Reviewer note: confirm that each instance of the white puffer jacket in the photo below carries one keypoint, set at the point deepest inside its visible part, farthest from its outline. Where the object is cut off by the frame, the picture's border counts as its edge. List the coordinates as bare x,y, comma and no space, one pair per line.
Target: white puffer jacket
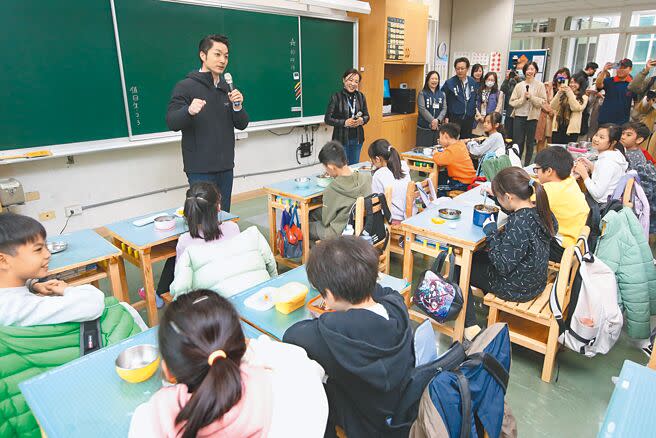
229,267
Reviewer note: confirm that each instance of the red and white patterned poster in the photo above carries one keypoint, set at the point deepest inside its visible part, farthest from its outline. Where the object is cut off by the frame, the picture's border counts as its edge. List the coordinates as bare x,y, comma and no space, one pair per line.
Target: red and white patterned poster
495,62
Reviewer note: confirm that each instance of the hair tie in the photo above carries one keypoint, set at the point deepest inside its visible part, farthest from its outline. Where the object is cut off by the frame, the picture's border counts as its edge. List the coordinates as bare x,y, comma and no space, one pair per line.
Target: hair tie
212,357
531,182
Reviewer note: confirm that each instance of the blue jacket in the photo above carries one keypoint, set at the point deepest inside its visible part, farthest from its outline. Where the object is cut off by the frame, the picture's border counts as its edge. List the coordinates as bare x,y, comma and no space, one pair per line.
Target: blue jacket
457,104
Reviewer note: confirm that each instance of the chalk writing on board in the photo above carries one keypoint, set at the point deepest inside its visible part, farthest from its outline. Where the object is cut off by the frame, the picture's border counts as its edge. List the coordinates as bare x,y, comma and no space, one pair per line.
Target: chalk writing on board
134,93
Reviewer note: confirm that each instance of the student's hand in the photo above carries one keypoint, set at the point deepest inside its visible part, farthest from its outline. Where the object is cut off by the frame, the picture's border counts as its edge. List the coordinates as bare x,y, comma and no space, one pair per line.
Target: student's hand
235,96
486,189
581,169
588,163
50,287
434,125
196,106
564,88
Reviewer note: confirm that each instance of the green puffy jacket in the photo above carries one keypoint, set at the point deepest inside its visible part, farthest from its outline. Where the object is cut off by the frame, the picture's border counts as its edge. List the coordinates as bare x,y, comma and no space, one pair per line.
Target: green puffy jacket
28,351
623,247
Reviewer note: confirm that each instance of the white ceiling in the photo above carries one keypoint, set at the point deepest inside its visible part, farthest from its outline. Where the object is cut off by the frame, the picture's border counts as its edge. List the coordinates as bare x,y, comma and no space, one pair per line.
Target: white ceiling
560,7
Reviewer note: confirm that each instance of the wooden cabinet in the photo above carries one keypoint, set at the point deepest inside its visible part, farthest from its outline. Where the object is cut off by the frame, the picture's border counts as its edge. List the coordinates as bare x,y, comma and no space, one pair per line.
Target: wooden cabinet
415,16
400,131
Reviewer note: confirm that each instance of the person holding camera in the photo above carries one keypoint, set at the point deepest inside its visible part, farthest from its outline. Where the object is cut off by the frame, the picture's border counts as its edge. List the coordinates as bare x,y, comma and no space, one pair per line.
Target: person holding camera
618,98
568,105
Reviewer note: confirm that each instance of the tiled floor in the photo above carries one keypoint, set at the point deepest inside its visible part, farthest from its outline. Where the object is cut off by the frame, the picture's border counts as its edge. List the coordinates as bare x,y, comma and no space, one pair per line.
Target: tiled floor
572,406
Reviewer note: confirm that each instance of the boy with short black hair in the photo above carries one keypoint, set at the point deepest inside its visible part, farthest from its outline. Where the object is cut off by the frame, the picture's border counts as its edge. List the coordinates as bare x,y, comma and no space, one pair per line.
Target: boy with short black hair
340,195
460,172
634,135
25,302
553,167
364,345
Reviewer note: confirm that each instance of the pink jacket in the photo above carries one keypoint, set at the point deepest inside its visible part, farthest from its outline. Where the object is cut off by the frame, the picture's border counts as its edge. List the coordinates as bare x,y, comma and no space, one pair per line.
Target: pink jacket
250,418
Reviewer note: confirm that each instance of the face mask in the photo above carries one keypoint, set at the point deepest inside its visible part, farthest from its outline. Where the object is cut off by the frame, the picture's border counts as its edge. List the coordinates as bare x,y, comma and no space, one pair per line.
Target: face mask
489,84
653,105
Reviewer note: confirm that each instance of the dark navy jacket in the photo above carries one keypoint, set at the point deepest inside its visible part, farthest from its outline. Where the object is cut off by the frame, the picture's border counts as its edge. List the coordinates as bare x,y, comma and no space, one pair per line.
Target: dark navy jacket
457,105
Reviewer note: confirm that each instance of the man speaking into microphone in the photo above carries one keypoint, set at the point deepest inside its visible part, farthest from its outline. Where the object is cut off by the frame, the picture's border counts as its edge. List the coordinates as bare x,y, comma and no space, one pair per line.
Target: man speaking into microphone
206,107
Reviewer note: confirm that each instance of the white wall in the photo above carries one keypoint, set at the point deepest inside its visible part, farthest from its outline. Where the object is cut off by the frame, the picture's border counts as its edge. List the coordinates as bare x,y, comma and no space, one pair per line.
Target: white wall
481,27
110,175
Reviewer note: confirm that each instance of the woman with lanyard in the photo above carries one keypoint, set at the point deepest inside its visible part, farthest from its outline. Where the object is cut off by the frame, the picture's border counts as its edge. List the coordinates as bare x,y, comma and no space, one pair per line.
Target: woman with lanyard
347,113
432,110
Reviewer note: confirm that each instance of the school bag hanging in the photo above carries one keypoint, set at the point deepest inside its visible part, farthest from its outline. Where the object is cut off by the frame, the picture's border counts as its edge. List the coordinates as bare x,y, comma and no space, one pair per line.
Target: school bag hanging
427,198
374,223
595,320
287,238
439,297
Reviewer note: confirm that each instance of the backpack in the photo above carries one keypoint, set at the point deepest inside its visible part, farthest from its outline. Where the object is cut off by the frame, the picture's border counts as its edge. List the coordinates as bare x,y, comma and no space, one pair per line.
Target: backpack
289,237
374,223
465,397
595,320
439,297
595,215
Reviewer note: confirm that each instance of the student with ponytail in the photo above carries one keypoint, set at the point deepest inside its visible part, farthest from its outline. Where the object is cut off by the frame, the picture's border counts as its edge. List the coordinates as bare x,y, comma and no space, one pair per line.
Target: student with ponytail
201,211
390,170
514,266
224,387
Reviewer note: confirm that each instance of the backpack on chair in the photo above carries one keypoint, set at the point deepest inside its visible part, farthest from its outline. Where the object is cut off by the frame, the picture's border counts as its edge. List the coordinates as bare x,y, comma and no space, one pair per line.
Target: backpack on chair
374,223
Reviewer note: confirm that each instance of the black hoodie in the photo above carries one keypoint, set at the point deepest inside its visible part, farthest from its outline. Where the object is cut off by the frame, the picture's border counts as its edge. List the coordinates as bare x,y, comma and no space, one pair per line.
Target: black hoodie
208,139
367,359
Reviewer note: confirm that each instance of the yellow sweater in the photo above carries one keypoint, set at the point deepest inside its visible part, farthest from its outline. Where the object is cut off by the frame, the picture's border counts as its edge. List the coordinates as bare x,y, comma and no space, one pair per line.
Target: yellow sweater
568,204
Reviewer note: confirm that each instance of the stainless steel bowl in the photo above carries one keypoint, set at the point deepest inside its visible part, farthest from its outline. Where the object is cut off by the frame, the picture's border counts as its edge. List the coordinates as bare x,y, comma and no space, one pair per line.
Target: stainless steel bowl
302,182
55,247
137,357
449,213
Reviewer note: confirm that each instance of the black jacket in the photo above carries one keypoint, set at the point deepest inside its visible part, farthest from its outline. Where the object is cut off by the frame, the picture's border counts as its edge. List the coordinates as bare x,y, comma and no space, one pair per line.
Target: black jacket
338,111
519,255
208,139
367,358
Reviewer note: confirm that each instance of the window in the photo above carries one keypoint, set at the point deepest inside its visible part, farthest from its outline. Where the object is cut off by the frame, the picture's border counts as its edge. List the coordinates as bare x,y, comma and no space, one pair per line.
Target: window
526,43
578,51
641,48
594,22
531,25
643,18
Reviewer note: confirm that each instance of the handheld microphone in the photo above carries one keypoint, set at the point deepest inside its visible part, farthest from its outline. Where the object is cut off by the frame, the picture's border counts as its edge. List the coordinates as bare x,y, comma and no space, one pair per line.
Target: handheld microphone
526,88
228,79
358,115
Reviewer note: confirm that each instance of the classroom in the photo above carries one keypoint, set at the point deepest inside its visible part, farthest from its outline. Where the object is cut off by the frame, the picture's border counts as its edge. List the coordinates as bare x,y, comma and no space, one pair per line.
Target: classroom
328,218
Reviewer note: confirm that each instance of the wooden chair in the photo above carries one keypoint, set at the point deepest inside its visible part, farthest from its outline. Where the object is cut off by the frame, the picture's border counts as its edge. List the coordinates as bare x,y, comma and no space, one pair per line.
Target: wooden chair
628,193
384,261
531,324
412,194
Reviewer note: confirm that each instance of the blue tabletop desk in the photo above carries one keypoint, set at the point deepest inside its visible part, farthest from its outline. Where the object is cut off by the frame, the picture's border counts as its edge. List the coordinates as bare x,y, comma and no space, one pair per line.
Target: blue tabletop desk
631,408
143,246
86,398
87,259
461,234
281,195
274,323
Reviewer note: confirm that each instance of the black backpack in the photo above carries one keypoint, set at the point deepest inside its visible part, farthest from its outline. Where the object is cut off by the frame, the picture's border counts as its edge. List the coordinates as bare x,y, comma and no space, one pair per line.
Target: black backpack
374,223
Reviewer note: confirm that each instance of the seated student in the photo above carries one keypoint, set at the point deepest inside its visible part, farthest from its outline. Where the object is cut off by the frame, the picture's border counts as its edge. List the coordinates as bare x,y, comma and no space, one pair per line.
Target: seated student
364,345
634,135
390,171
201,208
224,386
514,266
553,167
40,321
494,141
25,302
460,172
602,177
340,195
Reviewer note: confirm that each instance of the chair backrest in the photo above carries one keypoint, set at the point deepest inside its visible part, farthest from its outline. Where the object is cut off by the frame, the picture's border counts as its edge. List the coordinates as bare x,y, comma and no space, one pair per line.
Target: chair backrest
627,197
383,245
569,266
412,193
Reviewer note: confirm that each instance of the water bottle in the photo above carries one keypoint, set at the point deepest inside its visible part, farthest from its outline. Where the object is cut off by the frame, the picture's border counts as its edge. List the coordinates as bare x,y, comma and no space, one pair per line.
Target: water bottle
348,231
366,237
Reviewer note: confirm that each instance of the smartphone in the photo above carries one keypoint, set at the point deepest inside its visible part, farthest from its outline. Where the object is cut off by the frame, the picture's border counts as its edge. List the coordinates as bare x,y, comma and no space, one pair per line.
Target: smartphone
615,65
652,72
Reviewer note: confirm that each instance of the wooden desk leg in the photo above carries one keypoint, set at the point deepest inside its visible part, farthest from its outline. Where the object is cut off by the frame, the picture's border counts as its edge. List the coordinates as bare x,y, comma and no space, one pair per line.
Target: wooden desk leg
272,223
465,271
149,287
652,360
116,280
305,227
408,260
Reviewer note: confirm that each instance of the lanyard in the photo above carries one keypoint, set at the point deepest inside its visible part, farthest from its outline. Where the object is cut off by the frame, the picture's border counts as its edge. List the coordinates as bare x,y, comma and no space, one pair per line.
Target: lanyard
352,108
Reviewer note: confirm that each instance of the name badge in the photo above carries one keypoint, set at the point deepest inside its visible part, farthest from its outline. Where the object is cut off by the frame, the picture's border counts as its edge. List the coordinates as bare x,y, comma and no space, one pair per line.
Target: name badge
435,105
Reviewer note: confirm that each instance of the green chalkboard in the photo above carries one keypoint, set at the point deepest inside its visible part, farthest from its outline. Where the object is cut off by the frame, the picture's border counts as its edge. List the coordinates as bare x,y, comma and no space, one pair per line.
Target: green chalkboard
59,80
327,54
262,57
